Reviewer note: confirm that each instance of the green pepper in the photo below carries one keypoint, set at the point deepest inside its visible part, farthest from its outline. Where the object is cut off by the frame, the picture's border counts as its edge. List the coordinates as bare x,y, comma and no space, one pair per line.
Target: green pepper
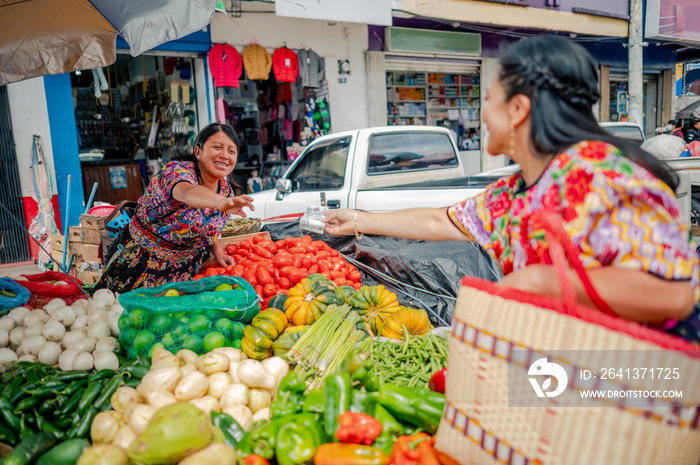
337,392
10,418
82,428
93,390
314,401
103,401
100,375
7,435
73,387
25,429
72,403
290,396
363,402
261,439
11,386
26,403
233,433
71,376
364,376
295,444
45,426
136,371
417,406
391,430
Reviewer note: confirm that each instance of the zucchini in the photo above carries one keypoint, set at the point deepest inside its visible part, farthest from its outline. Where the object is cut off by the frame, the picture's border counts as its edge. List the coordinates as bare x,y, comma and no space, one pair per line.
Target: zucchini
27,451
66,453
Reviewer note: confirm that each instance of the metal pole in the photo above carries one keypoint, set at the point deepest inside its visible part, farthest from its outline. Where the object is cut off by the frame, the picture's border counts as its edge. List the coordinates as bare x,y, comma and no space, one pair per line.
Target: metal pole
65,225
92,197
635,80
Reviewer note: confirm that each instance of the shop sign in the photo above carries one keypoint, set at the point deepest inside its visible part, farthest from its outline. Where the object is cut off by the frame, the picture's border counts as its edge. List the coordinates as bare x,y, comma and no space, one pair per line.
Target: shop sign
377,12
401,39
677,20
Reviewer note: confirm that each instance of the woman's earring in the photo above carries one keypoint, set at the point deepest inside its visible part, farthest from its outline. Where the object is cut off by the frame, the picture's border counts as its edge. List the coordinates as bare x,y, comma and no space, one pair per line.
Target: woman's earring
511,150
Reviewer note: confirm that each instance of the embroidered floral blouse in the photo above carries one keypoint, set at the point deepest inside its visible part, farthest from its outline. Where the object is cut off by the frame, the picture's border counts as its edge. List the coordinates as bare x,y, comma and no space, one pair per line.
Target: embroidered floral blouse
165,223
615,211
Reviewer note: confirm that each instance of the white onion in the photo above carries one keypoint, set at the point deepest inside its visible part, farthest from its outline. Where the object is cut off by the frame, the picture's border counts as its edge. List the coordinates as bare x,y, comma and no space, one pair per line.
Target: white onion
107,344
4,338
84,361
49,353
32,344
71,337
53,331
97,315
85,344
99,329
7,323
104,295
18,314
106,361
7,358
34,329
28,358
64,315
53,305
116,308
113,320
16,335
80,323
80,303
35,316
65,360
95,305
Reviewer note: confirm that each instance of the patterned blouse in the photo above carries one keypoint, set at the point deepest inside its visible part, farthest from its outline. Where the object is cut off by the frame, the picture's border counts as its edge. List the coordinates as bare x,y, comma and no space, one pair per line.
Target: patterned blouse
168,226
615,211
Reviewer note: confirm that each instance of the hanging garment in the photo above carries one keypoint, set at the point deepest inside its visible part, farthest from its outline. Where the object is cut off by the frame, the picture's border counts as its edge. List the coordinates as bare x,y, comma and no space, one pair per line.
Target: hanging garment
257,62
226,65
311,68
285,64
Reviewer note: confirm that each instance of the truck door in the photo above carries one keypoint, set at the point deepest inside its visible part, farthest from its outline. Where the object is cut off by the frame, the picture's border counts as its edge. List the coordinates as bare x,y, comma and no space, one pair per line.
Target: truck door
318,176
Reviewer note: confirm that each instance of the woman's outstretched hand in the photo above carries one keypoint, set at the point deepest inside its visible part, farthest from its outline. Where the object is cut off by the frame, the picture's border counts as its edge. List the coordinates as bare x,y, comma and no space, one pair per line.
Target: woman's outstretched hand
235,205
339,222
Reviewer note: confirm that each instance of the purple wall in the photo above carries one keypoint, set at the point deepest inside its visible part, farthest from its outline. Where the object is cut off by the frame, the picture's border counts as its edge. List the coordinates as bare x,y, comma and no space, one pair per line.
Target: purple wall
614,8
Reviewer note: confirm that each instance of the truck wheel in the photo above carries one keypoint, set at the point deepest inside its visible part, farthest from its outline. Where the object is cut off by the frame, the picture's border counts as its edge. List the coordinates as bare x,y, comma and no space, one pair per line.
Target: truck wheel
694,212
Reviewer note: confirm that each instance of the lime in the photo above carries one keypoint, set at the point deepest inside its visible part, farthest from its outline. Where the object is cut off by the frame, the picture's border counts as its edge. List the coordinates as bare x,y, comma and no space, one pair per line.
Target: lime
213,314
180,322
224,287
139,318
236,344
172,293
124,322
224,326
169,342
199,324
157,345
179,334
193,343
213,340
143,341
160,323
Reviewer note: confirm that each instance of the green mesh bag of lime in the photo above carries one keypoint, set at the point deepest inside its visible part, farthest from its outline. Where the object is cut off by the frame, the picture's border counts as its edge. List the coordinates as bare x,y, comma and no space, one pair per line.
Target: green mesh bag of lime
196,315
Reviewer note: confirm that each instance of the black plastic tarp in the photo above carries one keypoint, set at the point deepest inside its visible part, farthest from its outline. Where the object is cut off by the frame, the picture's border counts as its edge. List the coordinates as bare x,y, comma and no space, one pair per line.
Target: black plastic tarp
423,274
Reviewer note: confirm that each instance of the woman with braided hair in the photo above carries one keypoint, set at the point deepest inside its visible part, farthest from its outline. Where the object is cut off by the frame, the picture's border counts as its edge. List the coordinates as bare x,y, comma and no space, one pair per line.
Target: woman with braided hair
616,201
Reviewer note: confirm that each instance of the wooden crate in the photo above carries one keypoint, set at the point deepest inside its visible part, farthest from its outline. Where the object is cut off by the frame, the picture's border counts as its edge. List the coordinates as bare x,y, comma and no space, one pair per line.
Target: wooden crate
88,252
58,244
229,240
92,222
87,236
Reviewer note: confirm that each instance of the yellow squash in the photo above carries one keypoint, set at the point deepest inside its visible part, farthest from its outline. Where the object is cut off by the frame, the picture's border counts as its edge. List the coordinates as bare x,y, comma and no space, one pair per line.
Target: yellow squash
262,332
375,304
307,301
406,319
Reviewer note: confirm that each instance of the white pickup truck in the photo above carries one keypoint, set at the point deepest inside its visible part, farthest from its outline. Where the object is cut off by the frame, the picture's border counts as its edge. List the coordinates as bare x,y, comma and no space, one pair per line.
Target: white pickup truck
372,169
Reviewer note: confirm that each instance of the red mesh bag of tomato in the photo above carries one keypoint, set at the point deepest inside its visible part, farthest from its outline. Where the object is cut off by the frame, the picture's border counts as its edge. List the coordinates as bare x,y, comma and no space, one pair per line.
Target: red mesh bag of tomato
49,285
272,267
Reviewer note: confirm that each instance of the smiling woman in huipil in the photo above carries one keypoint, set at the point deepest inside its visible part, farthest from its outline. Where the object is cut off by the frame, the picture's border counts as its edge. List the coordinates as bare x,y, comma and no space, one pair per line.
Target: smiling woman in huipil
180,217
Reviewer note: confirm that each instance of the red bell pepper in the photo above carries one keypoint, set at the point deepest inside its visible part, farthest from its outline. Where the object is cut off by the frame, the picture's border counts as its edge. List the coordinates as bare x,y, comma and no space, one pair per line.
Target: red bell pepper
357,428
414,450
255,459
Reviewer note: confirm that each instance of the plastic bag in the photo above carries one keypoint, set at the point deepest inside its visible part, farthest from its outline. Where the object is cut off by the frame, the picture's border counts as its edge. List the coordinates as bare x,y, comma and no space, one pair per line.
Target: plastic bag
46,286
196,315
7,301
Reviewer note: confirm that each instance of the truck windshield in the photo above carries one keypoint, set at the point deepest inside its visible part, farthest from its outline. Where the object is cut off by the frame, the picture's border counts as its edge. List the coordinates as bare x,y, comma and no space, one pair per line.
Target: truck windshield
322,166
402,151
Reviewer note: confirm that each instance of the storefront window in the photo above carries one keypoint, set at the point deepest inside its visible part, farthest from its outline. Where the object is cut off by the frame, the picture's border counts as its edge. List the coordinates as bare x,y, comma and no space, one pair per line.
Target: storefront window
618,101
435,99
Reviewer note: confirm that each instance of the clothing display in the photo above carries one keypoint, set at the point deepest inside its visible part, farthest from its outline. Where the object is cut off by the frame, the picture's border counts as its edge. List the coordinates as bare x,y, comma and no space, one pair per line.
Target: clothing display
311,68
226,65
285,64
257,62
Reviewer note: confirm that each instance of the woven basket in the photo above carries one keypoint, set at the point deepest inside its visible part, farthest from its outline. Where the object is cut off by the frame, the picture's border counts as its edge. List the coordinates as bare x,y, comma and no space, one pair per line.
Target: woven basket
491,324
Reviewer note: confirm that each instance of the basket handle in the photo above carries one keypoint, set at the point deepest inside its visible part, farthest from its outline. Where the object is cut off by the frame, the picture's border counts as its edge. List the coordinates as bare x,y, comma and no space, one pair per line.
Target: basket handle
563,254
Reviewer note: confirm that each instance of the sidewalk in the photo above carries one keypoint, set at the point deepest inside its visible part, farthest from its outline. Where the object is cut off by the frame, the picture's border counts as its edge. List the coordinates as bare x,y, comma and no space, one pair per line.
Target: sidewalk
17,269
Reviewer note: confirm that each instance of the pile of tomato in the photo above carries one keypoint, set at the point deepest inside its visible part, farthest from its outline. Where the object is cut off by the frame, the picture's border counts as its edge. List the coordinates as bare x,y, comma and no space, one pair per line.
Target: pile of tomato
272,267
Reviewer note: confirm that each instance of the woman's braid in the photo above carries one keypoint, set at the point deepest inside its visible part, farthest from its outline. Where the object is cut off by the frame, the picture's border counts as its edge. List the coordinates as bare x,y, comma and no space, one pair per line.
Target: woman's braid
538,77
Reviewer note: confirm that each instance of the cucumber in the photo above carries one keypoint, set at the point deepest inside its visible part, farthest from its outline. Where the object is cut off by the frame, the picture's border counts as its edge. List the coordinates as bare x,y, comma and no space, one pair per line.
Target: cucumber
66,453
27,451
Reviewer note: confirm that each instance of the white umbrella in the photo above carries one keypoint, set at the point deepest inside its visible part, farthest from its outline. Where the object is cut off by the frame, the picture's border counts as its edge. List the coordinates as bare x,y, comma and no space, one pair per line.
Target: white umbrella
664,146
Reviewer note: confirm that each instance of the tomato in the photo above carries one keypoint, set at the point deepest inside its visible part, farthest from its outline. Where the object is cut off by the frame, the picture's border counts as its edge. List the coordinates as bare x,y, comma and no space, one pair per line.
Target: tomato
250,277
301,250
245,244
284,282
306,238
313,269
262,251
287,271
247,263
229,268
327,274
231,249
265,302
292,241
263,275
297,276
271,247
311,248
355,276
306,262
340,281
210,272
275,272
257,258
336,274
281,243
296,260
321,254
357,285
282,260
333,253
238,258
269,289
258,238
258,290
324,265
320,245
197,277
282,252
237,270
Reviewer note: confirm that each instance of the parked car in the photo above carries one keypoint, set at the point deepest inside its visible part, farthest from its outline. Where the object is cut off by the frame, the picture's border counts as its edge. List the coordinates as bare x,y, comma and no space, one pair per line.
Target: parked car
624,130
